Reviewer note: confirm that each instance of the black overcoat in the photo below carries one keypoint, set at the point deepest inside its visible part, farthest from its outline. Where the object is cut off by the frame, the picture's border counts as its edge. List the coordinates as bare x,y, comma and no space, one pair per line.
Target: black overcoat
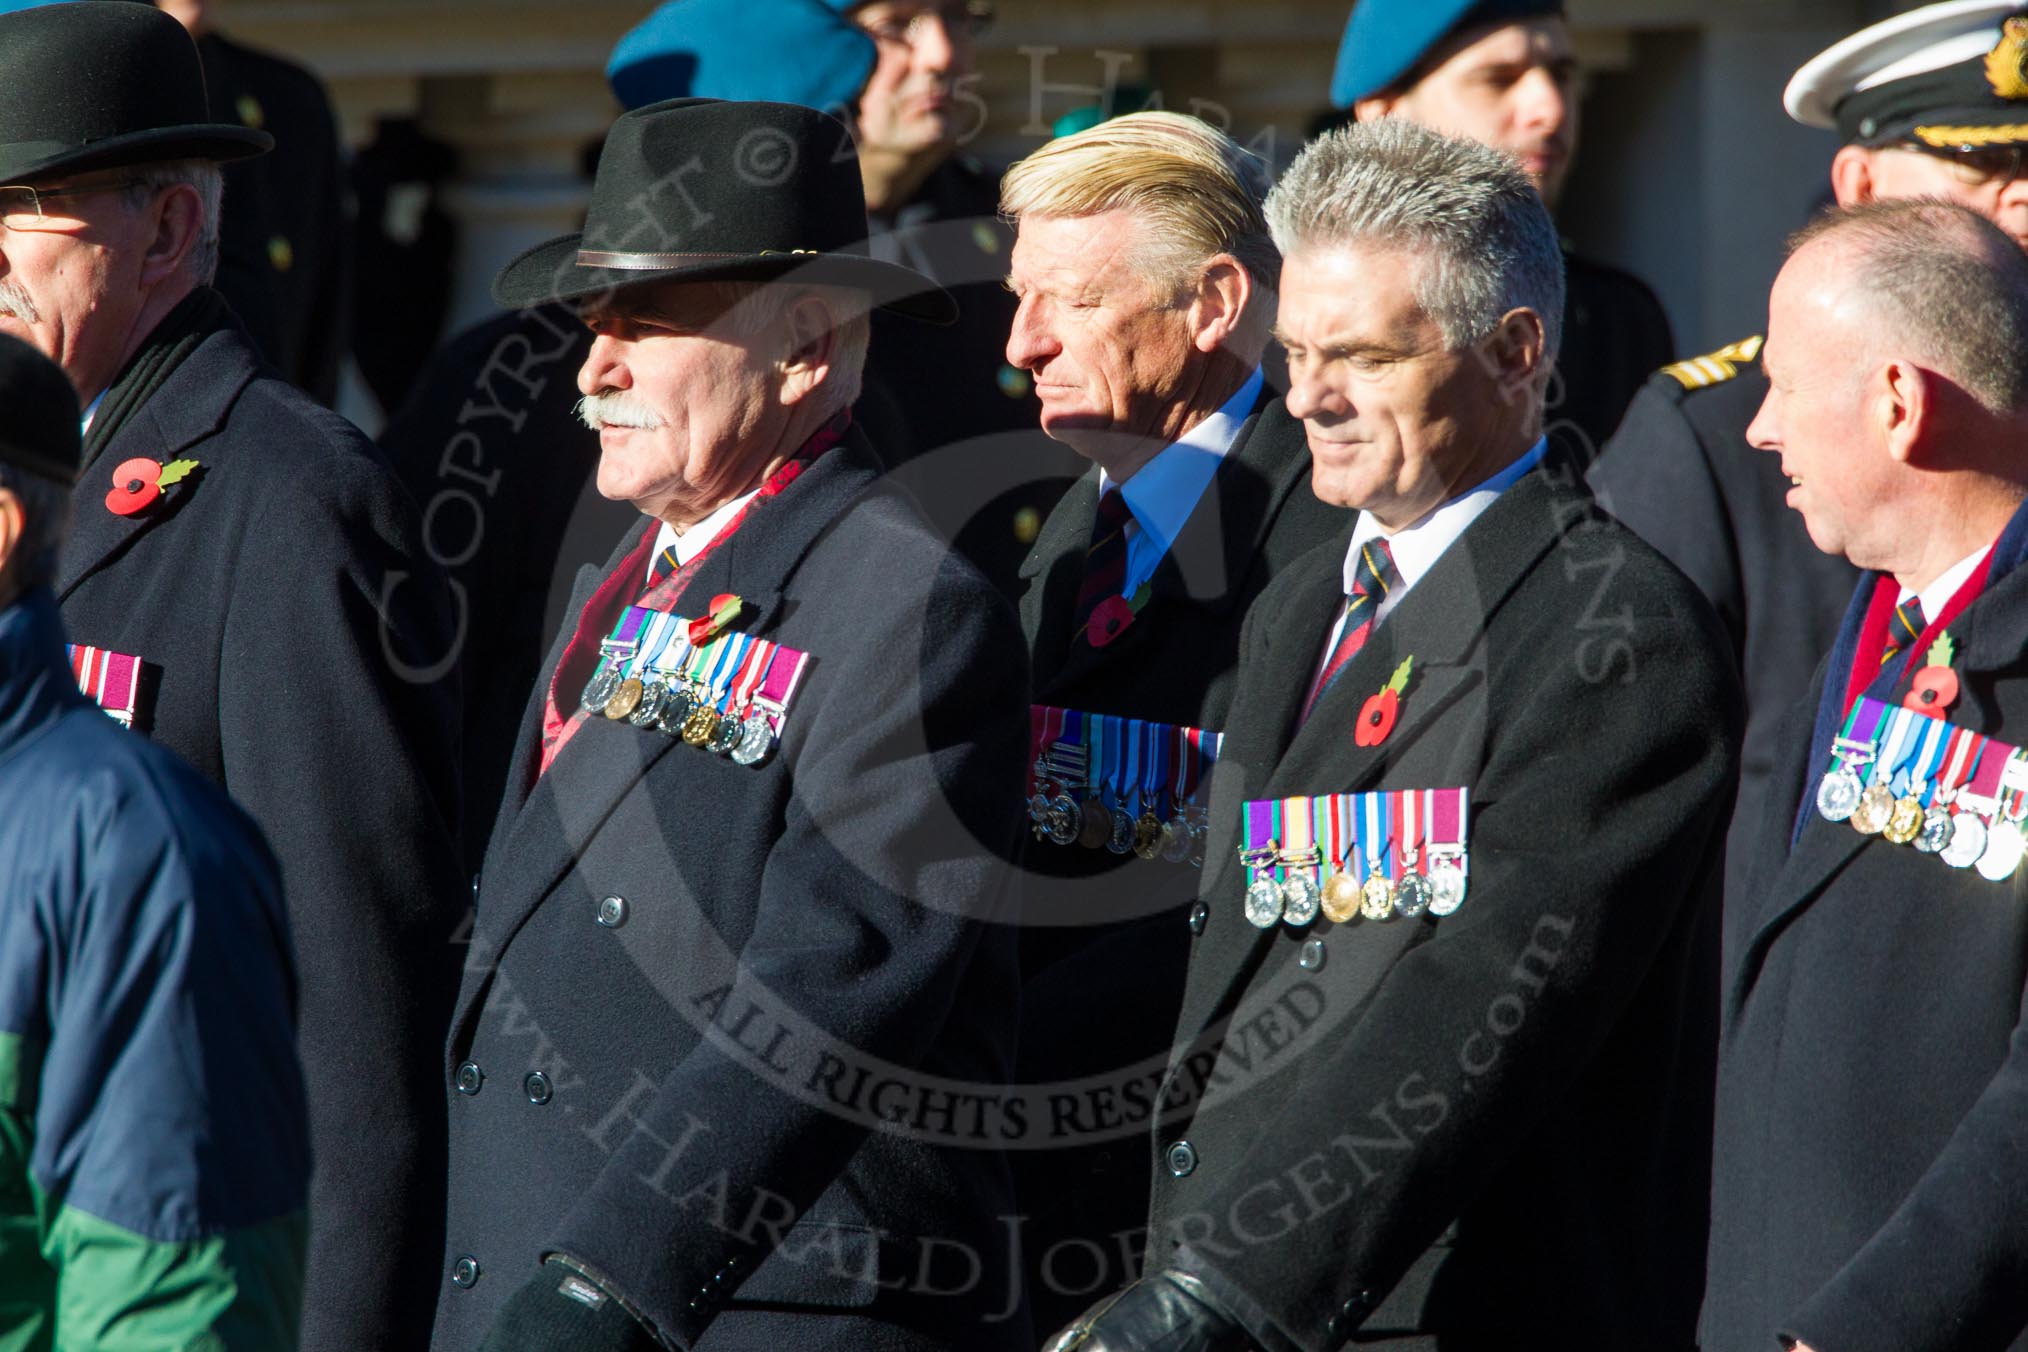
1500,1117
1870,1188
286,612
1681,474
823,916
1104,946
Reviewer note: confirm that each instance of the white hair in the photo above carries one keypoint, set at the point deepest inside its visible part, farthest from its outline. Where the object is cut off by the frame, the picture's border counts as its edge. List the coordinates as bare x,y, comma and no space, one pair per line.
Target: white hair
209,181
1486,242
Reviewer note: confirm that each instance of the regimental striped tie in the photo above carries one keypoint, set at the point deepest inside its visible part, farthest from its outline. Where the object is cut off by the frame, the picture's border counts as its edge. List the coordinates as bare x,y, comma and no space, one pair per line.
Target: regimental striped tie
663,564
1105,563
1372,579
1903,629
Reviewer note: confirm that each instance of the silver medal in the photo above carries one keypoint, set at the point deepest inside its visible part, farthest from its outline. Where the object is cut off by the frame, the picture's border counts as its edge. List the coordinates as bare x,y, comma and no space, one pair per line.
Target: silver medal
1064,819
1968,841
1937,829
2004,847
726,740
1175,841
653,696
1302,899
757,739
1413,895
1264,902
598,691
1838,796
1447,886
676,710
1121,841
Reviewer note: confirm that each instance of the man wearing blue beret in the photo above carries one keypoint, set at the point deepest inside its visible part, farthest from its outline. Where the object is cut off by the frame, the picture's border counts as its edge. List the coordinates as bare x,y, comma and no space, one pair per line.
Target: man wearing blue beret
1503,72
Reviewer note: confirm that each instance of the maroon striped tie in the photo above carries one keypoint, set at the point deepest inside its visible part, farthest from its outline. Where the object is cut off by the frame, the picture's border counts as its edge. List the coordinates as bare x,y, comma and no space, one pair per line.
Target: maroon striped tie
1105,562
1372,578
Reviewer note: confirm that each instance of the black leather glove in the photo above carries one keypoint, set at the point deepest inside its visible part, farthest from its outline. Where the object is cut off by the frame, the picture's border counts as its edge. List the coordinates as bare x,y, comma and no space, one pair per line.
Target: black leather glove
1168,1312
562,1310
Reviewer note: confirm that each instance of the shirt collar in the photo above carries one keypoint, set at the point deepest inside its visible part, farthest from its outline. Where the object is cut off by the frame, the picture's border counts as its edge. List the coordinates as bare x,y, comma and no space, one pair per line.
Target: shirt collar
1163,492
1417,548
1938,594
91,411
693,540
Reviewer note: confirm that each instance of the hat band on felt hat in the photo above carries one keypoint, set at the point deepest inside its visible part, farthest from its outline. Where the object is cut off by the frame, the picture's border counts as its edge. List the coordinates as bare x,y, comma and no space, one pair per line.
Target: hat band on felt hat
656,262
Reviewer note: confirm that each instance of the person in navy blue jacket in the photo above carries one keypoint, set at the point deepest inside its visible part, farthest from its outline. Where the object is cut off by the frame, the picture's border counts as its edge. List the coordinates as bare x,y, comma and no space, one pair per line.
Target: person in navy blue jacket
154,1141
1870,1168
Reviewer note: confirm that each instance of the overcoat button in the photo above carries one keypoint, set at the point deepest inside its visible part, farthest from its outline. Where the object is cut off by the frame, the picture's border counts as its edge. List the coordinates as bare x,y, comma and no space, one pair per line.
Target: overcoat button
1199,914
465,1272
613,912
1182,1158
537,1085
1311,959
470,1077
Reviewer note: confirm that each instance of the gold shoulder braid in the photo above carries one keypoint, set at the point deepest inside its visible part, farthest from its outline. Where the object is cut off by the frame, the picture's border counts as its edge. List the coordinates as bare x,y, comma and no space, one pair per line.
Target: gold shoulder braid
1715,368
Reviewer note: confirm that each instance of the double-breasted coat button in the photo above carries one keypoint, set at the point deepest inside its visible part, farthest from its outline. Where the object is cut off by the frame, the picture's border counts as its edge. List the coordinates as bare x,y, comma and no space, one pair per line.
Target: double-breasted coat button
465,1272
613,912
537,1085
470,1077
1182,1159
1311,959
1199,914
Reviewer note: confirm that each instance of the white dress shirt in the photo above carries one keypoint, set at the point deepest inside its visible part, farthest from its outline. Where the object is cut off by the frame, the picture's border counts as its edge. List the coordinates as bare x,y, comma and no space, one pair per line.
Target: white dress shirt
1938,594
692,541
1416,548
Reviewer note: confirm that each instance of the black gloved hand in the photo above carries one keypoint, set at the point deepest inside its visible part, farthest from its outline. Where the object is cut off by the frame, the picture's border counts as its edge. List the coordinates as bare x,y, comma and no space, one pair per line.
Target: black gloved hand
1167,1312
562,1310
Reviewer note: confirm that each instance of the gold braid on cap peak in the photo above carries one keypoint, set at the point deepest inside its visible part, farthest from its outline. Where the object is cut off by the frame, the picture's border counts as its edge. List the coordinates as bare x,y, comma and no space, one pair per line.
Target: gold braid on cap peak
1967,138
2007,63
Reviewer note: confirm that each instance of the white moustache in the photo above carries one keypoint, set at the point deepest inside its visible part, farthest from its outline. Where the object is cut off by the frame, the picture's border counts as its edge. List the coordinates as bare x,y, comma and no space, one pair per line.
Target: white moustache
17,303
600,411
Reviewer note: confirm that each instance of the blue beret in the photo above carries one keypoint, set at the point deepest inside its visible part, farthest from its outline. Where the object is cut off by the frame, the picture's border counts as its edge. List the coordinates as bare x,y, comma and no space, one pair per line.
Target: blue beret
774,51
1385,39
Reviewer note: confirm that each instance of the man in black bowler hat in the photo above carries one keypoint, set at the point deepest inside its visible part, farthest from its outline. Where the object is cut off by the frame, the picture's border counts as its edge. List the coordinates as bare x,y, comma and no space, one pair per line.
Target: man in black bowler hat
253,554
142,930
722,1066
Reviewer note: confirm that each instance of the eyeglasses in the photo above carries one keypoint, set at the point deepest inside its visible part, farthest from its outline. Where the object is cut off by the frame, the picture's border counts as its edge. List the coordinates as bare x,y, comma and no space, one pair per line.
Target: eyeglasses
962,19
21,205
1975,166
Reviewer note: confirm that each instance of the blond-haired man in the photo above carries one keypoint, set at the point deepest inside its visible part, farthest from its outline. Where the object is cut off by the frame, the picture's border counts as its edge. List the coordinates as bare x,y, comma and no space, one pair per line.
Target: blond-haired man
1145,277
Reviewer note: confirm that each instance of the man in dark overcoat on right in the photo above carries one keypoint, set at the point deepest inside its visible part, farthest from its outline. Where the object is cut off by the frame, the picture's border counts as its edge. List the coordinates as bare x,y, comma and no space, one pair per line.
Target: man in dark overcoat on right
1870,1171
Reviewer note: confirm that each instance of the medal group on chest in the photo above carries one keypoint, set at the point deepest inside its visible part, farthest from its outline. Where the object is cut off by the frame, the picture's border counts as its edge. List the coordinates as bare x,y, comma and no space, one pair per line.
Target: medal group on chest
1373,856
1919,781
727,694
1125,785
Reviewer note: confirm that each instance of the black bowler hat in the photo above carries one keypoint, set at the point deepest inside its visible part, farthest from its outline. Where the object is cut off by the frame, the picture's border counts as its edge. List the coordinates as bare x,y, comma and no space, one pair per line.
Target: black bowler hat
705,190
102,83
38,414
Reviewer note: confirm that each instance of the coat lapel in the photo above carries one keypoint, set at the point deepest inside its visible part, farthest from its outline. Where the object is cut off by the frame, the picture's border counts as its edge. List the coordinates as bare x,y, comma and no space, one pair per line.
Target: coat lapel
1053,571
190,407
1441,624
537,844
1202,575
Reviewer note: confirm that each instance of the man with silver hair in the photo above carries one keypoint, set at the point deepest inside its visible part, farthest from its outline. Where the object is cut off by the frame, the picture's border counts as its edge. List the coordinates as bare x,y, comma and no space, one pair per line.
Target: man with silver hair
247,585
1145,277
1443,1064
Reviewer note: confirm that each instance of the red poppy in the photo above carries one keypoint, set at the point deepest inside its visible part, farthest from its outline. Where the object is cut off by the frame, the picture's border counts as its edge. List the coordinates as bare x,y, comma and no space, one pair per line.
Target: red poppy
1935,690
136,483
1109,619
1376,719
725,608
